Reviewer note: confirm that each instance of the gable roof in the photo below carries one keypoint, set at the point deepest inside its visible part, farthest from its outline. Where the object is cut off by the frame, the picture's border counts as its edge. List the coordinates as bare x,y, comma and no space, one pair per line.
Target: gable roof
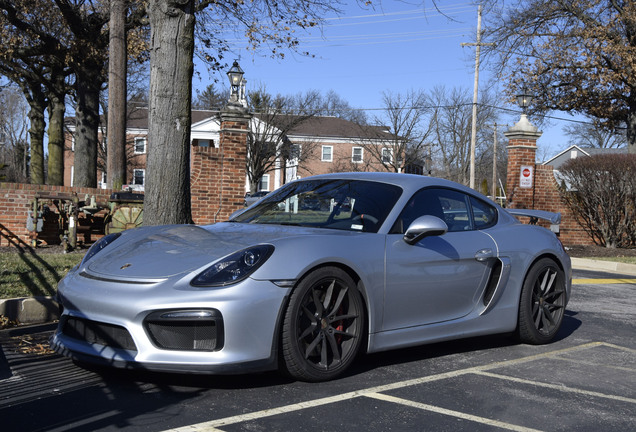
573,151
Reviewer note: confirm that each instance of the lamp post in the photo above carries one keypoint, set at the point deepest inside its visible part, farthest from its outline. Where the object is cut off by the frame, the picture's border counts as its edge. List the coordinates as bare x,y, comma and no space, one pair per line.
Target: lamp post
235,74
524,98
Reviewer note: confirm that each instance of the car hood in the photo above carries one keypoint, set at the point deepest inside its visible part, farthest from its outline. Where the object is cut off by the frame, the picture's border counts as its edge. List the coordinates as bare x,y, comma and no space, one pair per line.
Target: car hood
165,251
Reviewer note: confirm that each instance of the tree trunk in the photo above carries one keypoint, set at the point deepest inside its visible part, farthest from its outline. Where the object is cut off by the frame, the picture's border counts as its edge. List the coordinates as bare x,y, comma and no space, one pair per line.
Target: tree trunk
37,105
56,140
631,127
116,151
167,191
86,125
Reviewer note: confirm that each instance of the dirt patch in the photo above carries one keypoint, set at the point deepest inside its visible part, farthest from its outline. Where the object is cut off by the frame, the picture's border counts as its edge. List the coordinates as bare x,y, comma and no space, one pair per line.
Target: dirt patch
599,252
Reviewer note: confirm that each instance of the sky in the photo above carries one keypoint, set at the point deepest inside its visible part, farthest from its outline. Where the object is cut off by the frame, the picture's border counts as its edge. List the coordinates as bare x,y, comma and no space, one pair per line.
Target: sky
395,47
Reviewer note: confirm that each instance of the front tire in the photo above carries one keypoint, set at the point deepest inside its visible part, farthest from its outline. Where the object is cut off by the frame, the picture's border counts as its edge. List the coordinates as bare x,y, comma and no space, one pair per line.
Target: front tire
323,326
542,303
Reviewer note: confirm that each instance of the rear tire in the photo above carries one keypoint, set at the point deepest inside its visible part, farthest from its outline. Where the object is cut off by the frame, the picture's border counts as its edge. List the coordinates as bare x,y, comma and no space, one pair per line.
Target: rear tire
542,303
323,326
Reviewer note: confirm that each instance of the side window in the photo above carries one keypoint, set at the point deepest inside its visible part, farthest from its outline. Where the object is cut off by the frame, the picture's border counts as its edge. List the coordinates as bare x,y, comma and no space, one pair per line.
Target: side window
455,208
484,215
448,205
424,202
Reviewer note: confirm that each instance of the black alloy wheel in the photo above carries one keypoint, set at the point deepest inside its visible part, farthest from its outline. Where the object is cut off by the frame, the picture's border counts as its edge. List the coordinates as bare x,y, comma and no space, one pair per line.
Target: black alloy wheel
323,327
542,304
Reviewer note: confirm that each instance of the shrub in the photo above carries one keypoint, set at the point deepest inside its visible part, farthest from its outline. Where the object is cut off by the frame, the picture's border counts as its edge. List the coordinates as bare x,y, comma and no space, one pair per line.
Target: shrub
600,191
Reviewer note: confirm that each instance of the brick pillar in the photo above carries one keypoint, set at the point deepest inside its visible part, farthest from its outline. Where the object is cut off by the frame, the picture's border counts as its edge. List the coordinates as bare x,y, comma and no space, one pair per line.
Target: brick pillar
521,178
218,173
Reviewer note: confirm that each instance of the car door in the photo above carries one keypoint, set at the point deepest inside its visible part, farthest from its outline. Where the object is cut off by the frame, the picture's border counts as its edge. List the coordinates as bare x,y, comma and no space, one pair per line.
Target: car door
440,278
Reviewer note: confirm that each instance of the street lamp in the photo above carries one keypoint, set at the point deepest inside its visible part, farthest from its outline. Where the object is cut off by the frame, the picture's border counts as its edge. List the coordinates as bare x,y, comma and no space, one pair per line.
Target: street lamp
235,74
524,98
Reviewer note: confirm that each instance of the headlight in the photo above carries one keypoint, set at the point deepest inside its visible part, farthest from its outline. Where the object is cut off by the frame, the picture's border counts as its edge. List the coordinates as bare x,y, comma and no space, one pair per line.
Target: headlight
99,245
234,268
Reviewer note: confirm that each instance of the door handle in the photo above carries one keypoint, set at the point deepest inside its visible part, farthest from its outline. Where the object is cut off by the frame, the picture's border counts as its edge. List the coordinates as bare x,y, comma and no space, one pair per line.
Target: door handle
484,255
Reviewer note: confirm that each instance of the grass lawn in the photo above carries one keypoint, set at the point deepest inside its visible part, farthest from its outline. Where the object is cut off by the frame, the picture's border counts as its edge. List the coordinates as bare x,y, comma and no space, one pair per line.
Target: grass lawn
26,275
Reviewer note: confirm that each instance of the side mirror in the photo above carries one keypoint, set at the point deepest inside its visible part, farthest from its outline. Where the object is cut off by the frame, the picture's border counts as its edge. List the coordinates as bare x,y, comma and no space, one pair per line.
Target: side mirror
424,226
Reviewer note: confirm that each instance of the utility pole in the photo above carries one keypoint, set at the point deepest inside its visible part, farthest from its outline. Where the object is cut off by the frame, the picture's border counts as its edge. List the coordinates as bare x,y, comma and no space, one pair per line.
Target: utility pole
494,166
473,131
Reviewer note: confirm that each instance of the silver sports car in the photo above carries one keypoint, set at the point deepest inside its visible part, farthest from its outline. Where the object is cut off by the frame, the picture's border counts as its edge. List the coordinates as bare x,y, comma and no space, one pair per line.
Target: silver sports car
313,274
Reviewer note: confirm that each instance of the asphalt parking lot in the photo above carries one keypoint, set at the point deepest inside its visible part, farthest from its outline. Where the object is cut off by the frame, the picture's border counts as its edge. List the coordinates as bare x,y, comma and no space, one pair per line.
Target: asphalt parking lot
586,380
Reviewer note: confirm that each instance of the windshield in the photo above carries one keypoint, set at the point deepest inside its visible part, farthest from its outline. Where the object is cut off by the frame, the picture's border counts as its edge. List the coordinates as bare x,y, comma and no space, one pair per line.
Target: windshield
353,205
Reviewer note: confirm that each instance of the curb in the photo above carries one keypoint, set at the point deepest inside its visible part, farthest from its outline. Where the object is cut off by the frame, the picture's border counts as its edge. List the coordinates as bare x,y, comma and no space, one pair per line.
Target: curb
38,310
609,266
30,310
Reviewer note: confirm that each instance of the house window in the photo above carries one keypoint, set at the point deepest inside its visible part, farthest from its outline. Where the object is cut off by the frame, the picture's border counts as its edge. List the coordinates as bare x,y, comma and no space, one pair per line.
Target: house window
72,174
294,153
139,177
140,145
387,155
263,185
327,153
356,155
204,143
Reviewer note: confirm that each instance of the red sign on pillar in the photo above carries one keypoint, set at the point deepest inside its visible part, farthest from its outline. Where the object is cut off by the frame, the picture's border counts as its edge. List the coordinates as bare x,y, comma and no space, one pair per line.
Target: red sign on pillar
526,178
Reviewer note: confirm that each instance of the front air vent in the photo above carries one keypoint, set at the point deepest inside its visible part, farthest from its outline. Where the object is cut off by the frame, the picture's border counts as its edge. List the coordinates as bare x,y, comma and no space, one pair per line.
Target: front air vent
186,330
94,332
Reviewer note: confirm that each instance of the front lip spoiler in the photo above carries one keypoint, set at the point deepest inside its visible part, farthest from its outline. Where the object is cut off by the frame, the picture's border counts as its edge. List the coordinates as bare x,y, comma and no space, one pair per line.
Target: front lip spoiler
267,364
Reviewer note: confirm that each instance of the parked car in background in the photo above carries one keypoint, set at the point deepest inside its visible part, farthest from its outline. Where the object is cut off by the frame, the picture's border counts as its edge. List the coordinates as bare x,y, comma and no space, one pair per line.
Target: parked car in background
384,261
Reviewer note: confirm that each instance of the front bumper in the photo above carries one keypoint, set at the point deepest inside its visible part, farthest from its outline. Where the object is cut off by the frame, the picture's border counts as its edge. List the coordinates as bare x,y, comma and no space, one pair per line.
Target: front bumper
152,326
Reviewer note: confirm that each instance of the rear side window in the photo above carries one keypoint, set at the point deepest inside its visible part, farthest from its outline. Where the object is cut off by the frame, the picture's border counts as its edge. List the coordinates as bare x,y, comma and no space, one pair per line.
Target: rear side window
484,215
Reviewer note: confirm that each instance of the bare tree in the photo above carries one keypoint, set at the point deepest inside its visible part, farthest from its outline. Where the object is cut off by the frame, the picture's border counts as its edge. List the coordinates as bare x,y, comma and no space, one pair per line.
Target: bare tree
268,144
333,105
13,135
600,191
399,136
450,119
594,135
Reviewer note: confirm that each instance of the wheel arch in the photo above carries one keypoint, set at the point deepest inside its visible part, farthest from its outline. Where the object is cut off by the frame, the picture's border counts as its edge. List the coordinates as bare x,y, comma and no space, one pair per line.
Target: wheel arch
359,285
536,259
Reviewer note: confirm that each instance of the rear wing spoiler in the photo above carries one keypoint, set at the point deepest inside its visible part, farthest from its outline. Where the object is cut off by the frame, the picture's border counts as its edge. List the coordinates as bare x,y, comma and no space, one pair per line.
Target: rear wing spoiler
534,215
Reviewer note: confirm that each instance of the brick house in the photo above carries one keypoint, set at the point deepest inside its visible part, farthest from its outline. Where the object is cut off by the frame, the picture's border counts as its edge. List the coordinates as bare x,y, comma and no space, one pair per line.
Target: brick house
327,144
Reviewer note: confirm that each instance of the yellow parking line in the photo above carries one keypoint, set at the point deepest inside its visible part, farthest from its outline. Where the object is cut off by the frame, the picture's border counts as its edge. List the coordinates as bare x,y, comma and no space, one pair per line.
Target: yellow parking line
602,281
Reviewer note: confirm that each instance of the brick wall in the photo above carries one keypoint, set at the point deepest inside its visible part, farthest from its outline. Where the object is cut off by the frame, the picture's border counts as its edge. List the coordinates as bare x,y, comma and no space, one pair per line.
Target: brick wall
217,179
543,193
16,200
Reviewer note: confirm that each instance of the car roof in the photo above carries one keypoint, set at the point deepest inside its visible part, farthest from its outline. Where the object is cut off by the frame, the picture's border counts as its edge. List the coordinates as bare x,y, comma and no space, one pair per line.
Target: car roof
408,182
